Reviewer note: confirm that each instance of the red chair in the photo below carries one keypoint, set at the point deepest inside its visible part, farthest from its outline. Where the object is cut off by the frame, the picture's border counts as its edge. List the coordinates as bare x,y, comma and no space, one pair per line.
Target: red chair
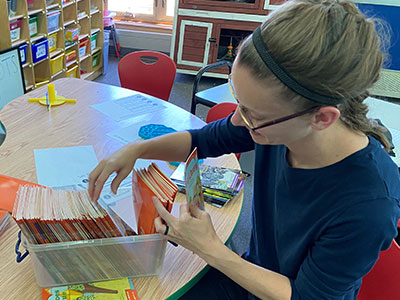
383,281
220,111
149,72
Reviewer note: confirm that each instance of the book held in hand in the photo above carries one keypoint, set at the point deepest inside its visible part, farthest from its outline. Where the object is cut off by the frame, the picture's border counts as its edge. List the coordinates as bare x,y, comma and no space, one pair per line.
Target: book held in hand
118,289
192,181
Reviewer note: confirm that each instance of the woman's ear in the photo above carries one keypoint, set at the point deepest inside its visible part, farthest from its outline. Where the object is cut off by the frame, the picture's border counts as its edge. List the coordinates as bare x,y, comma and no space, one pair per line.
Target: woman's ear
325,117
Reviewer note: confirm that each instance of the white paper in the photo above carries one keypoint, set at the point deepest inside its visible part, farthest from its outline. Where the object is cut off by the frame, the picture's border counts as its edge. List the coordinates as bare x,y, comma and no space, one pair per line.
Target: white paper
129,107
64,166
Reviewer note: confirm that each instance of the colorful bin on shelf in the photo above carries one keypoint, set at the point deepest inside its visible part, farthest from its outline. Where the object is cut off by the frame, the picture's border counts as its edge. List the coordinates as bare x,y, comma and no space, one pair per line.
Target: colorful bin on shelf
33,26
82,46
71,34
53,20
70,55
52,42
39,50
72,72
93,41
96,59
15,30
57,64
22,52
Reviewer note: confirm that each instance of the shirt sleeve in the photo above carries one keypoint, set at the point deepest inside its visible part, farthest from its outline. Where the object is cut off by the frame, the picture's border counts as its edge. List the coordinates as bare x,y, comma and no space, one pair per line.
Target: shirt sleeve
346,251
221,137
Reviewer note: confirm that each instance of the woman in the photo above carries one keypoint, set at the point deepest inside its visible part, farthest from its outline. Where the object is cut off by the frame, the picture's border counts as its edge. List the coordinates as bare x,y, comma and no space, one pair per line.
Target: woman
326,194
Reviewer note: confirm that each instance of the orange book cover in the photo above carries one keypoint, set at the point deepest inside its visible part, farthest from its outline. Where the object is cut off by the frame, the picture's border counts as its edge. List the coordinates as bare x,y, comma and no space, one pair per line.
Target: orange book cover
8,191
145,211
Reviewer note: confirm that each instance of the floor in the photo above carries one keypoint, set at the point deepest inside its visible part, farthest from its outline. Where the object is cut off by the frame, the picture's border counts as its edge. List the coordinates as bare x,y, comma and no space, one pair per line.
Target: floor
181,95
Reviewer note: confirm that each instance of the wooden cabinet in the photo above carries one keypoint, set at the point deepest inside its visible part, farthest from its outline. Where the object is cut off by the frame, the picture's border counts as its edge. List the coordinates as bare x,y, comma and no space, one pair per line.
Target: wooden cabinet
204,29
42,26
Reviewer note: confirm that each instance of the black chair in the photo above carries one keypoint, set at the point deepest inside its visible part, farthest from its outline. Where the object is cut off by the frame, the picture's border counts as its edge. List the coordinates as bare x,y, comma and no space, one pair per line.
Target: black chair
198,99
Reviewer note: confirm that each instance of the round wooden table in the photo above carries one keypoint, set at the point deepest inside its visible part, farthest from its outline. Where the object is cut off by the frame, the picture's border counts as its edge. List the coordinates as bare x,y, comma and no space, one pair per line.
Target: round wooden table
30,126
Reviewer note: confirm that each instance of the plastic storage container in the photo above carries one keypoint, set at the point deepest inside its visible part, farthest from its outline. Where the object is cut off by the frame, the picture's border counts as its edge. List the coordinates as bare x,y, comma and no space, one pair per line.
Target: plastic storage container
52,42
53,19
15,30
22,52
72,72
70,55
93,41
82,46
71,34
96,59
39,50
97,260
56,64
33,26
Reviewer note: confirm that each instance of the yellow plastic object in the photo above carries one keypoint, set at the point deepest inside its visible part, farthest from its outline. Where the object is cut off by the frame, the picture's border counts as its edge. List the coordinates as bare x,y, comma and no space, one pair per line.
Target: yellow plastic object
57,64
51,99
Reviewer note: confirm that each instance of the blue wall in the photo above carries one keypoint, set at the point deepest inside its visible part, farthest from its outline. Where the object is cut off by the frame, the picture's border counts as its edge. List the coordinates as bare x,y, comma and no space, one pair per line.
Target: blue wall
391,14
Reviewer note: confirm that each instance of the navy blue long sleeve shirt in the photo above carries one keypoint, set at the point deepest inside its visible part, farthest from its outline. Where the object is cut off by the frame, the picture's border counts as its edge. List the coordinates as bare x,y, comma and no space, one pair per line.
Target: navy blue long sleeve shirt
322,228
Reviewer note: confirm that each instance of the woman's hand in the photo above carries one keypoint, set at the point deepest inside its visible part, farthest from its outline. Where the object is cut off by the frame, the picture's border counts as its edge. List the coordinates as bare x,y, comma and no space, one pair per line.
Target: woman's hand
193,229
121,162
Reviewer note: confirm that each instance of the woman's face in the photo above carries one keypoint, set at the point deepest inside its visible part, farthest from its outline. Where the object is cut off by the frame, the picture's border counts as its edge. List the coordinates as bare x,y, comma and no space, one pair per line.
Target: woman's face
260,103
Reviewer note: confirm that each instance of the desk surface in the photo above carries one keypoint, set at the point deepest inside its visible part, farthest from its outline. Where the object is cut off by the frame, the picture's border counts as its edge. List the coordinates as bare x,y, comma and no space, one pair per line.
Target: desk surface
29,126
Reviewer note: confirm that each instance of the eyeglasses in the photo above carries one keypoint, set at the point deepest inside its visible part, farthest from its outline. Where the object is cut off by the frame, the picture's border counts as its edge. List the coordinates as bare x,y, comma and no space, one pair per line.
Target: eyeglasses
249,124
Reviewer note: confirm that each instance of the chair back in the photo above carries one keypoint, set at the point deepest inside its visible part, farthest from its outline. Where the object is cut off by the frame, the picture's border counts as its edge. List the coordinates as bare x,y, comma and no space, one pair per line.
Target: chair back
383,281
149,72
197,78
220,111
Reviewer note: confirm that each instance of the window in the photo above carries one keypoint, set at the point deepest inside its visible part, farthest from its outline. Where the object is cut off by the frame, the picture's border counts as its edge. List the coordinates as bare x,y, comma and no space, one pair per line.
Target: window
143,10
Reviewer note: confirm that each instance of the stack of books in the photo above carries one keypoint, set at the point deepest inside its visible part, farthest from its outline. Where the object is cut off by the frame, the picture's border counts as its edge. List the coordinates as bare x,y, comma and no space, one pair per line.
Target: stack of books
146,184
49,216
219,184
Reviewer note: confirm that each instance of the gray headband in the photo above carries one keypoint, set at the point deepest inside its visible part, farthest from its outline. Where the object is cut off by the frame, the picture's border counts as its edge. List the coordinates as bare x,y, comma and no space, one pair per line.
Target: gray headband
285,77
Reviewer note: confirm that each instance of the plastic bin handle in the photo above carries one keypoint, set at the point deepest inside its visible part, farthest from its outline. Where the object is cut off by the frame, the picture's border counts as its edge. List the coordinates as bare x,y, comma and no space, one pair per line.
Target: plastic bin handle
20,256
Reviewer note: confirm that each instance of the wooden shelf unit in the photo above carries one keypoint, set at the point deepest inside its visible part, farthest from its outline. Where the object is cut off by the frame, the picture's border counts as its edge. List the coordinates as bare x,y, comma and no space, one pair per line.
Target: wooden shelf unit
203,30
90,22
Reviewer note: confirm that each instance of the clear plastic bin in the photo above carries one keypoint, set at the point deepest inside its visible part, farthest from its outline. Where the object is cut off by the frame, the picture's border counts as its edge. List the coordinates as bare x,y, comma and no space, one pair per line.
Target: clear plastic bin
97,260
53,19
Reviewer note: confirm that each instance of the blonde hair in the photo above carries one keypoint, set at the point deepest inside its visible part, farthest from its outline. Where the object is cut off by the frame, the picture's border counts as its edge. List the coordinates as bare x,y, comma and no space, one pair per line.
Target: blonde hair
328,46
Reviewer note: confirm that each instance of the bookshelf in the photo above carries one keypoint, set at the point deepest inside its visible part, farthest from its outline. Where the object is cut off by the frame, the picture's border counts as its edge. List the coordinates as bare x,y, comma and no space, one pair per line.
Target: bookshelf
42,25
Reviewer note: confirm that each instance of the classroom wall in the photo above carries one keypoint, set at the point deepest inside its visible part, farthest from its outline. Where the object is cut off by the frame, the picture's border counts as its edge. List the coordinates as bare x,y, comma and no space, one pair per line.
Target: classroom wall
391,14
144,40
